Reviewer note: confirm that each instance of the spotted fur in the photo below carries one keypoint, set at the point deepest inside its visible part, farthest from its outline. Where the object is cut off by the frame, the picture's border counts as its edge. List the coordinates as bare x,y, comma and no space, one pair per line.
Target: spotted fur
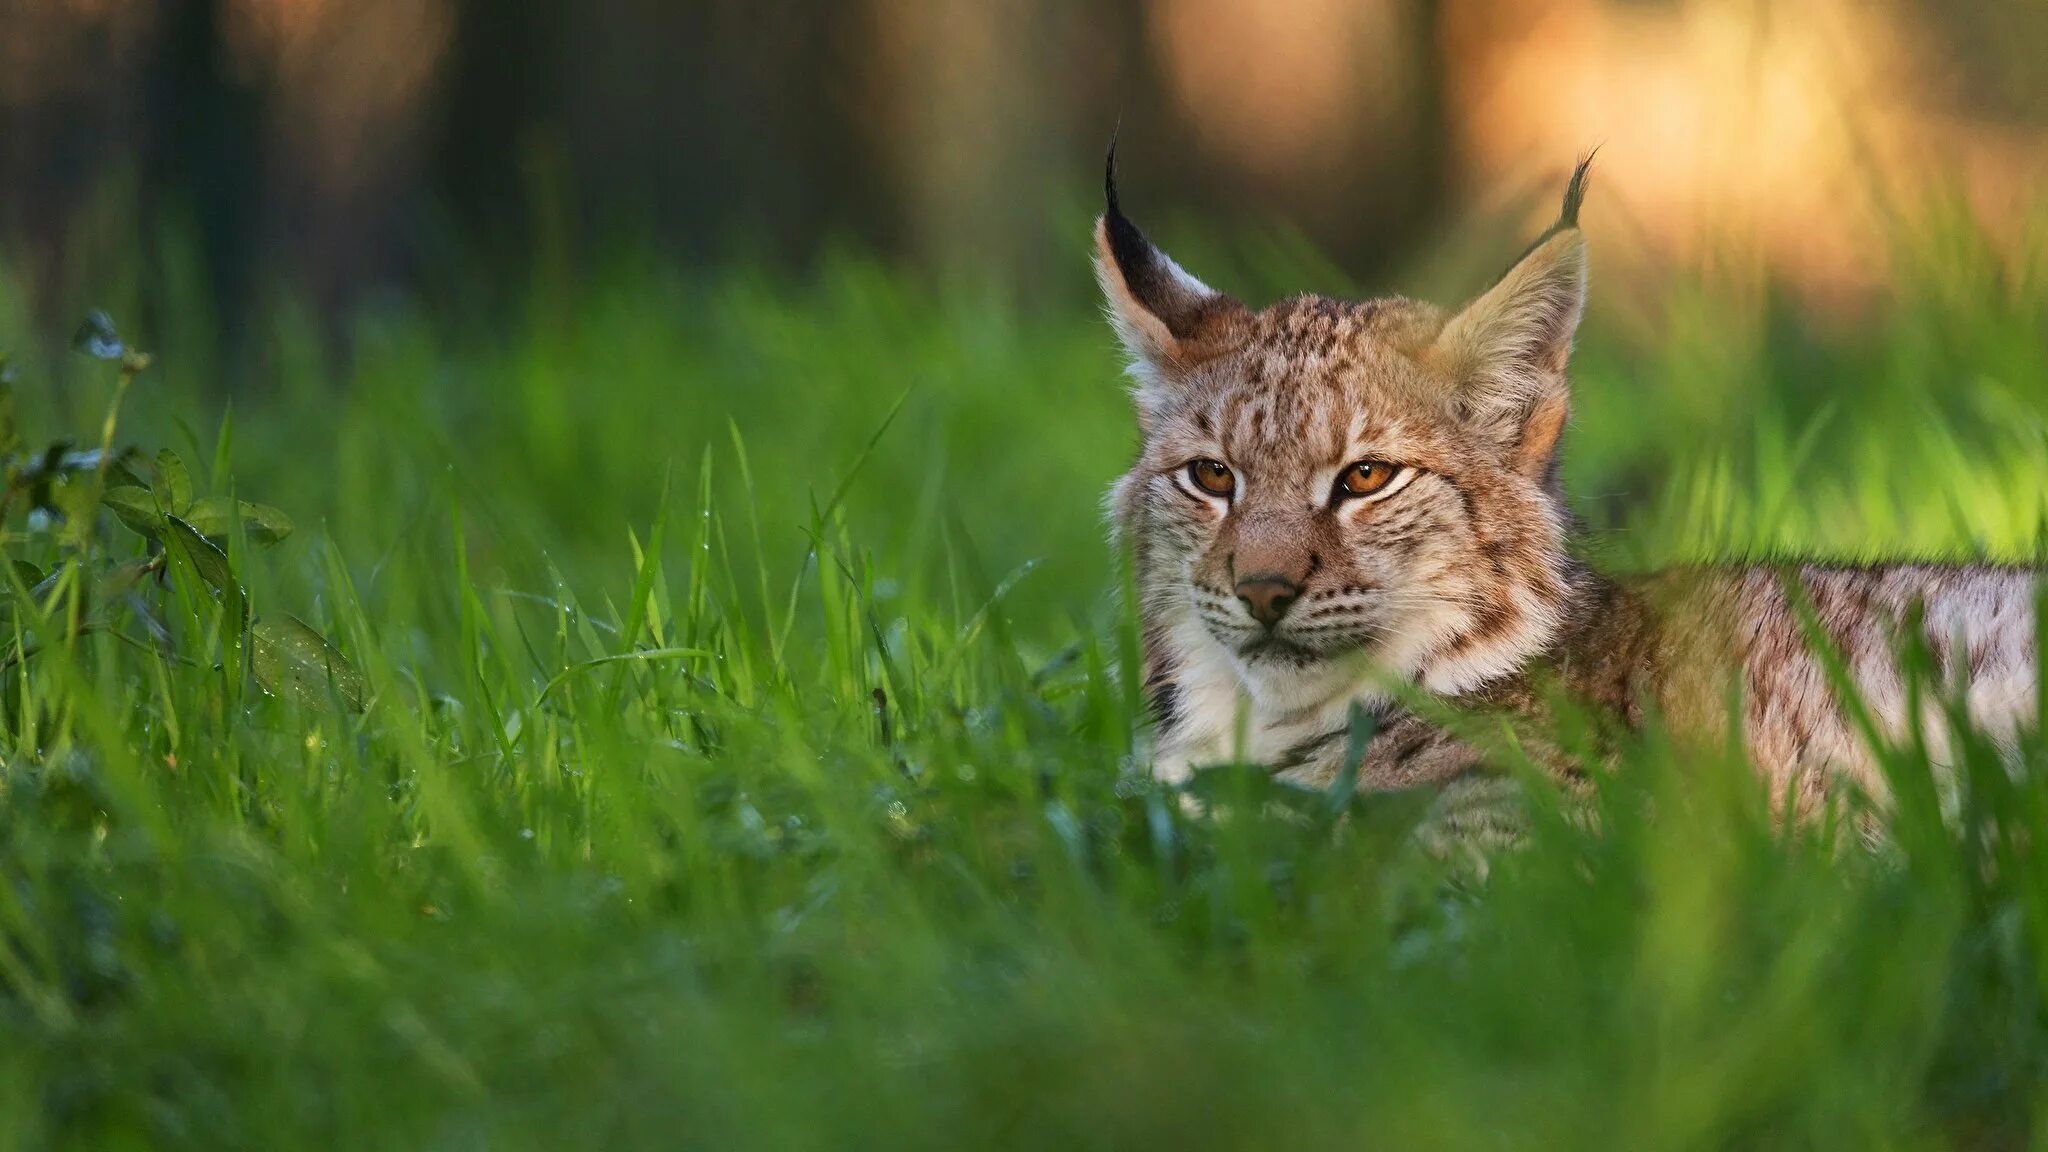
1458,578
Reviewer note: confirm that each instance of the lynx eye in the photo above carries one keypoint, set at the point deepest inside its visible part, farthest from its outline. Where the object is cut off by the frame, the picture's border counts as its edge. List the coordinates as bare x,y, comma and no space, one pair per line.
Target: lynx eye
1212,476
1366,478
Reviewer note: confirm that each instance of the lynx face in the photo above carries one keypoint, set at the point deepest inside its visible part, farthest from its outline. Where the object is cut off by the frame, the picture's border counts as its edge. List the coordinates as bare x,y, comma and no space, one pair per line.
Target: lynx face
1326,487
1312,496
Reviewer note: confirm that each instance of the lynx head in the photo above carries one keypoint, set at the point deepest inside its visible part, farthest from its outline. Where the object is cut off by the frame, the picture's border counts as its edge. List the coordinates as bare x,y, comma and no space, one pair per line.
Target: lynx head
1326,483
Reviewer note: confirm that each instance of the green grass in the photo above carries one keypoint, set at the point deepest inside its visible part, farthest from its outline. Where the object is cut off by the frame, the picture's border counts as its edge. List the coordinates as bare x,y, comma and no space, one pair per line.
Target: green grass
747,762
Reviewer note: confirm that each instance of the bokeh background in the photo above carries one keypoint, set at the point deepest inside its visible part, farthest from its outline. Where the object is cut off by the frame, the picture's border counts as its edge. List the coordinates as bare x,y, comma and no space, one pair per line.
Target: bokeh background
351,145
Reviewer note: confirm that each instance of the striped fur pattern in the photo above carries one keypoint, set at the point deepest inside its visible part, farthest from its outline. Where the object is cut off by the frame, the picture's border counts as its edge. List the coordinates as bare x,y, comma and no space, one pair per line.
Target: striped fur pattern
1335,499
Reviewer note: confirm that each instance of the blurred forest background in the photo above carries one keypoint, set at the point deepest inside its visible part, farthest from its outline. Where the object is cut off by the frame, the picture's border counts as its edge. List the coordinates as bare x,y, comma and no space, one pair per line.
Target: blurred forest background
353,147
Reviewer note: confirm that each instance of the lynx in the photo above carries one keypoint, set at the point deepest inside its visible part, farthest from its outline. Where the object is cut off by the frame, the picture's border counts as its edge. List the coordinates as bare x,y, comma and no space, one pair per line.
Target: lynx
1338,505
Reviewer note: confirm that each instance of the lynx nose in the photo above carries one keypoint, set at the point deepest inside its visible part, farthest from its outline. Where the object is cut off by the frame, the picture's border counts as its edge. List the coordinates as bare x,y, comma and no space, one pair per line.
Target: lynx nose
1267,597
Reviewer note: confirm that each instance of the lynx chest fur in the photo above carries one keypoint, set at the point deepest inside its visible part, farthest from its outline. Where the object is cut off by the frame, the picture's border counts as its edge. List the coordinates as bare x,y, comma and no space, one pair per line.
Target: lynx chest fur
1337,504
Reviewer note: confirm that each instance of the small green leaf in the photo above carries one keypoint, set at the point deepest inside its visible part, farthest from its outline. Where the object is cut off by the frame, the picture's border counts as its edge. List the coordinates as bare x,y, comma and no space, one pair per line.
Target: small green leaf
176,482
120,473
96,338
212,517
265,525
215,517
211,564
136,508
27,574
292,661
206,559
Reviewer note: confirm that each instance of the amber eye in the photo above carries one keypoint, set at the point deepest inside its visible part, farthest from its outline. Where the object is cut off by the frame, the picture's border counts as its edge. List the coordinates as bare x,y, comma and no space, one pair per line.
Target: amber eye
1212,477
1365,478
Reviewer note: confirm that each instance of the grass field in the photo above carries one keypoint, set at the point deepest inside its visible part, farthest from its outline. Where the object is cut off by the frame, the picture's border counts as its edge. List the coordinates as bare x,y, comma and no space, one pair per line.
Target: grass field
745,758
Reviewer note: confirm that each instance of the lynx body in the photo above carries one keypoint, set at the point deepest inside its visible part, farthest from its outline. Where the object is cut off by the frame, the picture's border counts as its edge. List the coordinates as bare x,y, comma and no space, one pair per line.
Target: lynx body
1335,498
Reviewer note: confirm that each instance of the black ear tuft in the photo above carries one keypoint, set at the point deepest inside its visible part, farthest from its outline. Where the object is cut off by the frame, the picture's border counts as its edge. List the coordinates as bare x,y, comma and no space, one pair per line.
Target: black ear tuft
1109,174
1574,194
1568,213
1163,315
1134,255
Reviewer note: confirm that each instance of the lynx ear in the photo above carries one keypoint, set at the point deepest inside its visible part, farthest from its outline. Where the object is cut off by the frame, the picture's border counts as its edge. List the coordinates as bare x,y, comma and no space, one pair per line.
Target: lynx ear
1168,321
1508,349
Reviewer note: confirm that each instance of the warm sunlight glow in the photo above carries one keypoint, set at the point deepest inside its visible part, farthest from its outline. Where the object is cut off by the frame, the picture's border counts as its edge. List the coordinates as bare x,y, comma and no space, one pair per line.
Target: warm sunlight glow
1723,124
351,72
1273,84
